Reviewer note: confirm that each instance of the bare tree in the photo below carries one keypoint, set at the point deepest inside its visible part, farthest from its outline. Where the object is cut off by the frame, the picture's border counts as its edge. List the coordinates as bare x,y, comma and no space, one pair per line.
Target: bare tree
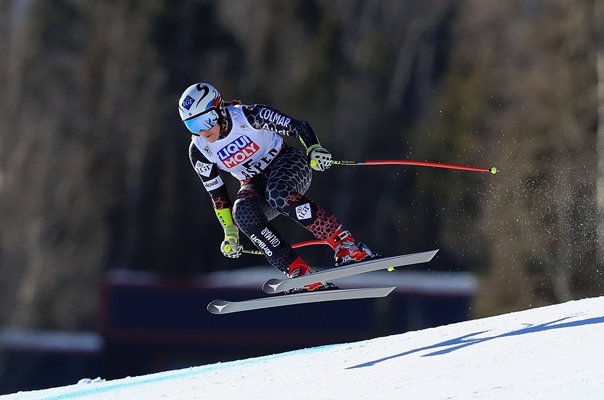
598,24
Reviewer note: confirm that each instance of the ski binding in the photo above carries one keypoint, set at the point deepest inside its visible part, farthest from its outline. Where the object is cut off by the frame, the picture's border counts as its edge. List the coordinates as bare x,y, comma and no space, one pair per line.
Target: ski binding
281,285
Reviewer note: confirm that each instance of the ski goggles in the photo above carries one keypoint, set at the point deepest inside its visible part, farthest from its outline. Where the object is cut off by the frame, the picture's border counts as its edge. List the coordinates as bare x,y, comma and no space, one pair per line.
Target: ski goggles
204,121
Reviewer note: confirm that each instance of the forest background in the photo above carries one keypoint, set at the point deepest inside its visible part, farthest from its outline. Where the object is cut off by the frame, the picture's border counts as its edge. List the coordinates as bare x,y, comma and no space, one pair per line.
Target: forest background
94,170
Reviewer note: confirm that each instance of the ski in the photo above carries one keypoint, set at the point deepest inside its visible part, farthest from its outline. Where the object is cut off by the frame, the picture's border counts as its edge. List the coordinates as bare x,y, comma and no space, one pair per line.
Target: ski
281,285
227,307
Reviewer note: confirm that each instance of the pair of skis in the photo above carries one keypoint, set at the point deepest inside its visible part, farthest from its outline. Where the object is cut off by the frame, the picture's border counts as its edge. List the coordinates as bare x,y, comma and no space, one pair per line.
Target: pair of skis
273,286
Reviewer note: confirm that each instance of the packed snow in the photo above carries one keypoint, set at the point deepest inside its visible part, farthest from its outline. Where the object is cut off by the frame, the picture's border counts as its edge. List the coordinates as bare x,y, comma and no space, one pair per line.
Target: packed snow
554,352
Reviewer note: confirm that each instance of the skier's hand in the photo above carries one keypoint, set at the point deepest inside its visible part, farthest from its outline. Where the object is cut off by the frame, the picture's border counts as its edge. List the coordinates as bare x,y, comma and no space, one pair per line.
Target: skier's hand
320,158
230,246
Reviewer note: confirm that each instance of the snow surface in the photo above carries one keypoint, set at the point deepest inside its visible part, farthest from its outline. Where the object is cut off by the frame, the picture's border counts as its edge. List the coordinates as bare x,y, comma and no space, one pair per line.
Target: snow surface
554,352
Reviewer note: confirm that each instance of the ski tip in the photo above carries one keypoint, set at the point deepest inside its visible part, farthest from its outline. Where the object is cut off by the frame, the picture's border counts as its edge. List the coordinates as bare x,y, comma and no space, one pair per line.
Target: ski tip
272,286
217,306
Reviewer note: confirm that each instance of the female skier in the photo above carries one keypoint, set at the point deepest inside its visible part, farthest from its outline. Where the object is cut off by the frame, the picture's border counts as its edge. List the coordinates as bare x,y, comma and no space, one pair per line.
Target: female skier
245,140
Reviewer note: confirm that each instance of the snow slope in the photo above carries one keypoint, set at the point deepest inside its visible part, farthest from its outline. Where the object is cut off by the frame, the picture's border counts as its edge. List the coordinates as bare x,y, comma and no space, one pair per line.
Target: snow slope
554,352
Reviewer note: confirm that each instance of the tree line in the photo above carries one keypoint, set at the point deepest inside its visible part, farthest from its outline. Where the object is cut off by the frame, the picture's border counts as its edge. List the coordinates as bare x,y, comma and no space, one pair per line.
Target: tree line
94,173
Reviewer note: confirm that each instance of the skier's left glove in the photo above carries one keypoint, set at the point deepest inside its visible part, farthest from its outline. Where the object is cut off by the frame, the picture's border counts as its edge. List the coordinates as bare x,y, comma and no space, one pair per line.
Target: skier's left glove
320,158
230,246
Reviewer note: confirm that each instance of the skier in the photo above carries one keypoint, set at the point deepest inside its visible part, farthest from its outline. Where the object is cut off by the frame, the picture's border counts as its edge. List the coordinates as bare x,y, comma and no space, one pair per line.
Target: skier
246,141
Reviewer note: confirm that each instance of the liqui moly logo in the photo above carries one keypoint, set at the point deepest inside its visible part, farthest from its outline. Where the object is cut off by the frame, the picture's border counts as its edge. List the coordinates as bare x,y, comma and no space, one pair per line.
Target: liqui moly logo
237,151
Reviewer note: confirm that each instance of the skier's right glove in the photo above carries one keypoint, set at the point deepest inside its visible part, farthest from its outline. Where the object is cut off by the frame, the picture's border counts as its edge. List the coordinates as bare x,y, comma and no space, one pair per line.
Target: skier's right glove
230,246
320,158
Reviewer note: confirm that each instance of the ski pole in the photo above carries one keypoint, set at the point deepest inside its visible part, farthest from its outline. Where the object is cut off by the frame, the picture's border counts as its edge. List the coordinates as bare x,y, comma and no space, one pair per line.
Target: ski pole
492,170
294,246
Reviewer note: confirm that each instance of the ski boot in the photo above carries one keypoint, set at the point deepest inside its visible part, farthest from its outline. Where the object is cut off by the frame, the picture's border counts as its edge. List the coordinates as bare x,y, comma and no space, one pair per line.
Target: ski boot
347,250
300,268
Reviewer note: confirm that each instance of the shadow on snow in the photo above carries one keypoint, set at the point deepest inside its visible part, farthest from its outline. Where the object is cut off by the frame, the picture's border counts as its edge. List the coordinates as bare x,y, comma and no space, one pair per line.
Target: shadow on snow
461,342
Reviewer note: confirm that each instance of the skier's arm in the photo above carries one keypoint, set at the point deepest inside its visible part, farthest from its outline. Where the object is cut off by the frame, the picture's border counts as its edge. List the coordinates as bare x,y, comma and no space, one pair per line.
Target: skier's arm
266,117
221,200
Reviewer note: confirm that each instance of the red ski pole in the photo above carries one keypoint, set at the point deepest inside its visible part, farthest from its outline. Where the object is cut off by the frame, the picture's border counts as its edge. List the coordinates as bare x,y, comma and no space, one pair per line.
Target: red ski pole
294,245
492,170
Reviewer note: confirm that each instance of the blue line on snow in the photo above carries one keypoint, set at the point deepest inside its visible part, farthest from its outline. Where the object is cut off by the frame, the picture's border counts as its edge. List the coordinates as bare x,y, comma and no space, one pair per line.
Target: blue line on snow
163,376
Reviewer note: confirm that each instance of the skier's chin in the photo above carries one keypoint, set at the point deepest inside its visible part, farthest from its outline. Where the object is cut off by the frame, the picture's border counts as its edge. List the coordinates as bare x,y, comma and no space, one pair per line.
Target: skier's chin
211,135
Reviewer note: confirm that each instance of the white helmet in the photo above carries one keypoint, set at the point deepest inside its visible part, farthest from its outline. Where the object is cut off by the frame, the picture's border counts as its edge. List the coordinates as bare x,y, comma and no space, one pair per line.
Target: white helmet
200,107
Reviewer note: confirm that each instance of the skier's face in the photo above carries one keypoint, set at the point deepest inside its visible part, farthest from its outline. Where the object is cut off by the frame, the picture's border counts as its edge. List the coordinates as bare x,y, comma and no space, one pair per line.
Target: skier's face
211,135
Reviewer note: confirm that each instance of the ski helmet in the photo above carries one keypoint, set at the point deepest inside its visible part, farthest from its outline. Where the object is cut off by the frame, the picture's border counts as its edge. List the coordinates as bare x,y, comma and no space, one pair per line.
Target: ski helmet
200,107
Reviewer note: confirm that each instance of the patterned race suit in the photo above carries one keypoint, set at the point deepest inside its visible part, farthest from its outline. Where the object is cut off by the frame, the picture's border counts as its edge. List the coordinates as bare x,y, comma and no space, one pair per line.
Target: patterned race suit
273,176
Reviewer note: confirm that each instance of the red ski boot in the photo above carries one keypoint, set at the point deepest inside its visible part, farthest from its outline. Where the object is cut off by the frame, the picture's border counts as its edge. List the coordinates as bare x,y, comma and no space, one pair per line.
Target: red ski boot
347,250
299,268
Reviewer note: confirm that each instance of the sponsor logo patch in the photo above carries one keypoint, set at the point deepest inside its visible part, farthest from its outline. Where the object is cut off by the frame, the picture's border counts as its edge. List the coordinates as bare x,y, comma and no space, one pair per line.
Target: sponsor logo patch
203,168
303,212
271,237
275,117
213,184
261,245
188,102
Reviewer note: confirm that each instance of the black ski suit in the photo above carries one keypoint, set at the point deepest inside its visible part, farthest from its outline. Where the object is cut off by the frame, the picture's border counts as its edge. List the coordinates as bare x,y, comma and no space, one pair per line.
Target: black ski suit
274,177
